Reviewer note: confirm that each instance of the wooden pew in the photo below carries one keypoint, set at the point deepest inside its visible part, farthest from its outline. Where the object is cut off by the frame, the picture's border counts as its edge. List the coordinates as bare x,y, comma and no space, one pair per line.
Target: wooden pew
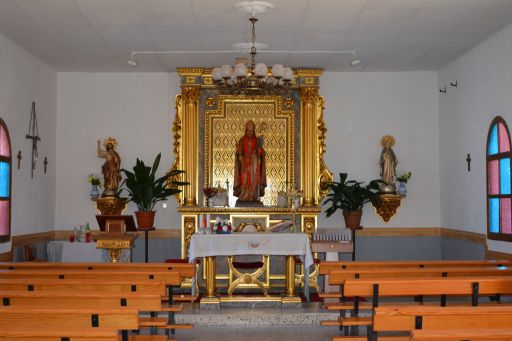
326,266
56,335
105,286
94,300
184,269
338,277
98,281
414,287
72,300
479,334
169,277
28,320
408,318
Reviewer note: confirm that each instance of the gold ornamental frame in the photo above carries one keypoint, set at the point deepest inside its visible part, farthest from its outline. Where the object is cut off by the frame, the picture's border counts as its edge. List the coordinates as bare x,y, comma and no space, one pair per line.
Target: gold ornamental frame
308,171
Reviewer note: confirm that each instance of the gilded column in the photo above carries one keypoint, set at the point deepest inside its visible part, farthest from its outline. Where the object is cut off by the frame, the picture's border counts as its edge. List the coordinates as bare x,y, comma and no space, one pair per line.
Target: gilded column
290,276
190,98
211,264
309,144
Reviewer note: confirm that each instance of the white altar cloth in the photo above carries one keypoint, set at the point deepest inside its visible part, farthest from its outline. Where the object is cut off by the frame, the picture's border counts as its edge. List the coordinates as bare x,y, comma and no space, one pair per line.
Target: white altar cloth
242,243
63,251
277,244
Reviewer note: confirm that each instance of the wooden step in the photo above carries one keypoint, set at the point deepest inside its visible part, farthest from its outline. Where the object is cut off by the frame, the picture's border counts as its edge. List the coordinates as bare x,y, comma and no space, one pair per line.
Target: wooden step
147,338
171,308
349,321
365,338
145,322
368,305
181,298
178,326
345,306
355,321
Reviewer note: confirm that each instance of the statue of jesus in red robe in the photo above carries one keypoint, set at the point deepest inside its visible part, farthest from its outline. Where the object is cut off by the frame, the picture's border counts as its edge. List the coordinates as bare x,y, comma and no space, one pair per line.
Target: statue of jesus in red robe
250,173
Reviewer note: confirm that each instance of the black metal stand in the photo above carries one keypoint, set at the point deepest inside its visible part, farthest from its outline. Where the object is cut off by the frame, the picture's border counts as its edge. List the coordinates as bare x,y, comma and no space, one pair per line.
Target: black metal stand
146,237
354,243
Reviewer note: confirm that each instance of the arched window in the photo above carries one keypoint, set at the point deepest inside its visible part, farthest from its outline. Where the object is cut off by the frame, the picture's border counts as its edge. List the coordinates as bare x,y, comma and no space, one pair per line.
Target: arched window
5,183
499,195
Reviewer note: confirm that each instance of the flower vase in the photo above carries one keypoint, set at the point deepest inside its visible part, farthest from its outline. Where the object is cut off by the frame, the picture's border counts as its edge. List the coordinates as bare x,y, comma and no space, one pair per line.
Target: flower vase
402,189
95,193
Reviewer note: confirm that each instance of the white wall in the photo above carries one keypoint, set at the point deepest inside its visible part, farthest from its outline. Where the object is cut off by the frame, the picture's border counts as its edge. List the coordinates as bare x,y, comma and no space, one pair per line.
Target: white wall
360,108
138,109
24,79
484,75
135,108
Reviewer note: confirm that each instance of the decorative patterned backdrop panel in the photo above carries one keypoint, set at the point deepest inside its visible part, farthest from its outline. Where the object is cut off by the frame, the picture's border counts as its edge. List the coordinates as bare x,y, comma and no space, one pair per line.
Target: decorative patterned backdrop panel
225,127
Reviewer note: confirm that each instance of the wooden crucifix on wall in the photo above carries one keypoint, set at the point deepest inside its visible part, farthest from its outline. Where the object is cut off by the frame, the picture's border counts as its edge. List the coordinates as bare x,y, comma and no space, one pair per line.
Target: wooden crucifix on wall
33,134
19,157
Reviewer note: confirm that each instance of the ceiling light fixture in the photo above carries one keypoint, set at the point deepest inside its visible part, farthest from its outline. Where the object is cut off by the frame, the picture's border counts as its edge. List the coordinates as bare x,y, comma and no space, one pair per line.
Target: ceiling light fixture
255,77
354,62
132,61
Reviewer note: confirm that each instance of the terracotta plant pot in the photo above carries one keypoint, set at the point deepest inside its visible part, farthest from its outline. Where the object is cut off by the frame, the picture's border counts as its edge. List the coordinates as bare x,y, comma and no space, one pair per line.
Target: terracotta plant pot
353,219
145,219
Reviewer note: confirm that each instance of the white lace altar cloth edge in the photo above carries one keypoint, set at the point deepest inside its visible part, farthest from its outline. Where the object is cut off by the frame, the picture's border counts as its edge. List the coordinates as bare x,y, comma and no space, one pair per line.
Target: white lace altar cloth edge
277,244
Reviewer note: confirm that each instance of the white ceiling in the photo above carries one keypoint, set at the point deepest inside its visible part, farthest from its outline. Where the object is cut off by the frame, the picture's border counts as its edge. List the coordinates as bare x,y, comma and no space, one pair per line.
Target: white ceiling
98,35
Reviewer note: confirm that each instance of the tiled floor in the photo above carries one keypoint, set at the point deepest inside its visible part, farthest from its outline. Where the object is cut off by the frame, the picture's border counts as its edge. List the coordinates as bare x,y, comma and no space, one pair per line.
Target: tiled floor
257,333
256,324
309,314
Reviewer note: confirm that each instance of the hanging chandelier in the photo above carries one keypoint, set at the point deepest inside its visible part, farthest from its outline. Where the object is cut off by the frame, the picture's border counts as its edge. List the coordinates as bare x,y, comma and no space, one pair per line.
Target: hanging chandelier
254,79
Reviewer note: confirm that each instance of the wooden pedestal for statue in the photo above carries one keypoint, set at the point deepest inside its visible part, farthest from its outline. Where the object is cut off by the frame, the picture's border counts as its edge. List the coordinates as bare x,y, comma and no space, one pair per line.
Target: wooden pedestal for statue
111,205
115,243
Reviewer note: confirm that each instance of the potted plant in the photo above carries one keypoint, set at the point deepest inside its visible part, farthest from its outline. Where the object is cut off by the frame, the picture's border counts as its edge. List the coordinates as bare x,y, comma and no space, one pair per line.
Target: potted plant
350,197
402,179
145,190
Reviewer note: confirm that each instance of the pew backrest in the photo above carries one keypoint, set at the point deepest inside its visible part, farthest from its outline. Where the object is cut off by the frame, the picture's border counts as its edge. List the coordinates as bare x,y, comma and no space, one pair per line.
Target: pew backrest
79,300
106,286
409,318
13,318
474,334
339,277
184,269
426,287
326,266
169,277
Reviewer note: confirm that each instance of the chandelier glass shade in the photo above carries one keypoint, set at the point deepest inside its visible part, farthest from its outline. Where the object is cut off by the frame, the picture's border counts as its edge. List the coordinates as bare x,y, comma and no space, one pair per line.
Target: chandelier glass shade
253,79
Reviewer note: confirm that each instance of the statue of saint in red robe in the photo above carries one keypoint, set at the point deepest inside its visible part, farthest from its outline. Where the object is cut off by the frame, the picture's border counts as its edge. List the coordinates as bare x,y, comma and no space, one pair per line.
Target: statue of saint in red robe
250,175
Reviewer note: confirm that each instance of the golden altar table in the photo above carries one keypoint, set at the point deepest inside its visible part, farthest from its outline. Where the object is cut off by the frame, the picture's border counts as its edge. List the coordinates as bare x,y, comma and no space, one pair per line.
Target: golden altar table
277,244
305,221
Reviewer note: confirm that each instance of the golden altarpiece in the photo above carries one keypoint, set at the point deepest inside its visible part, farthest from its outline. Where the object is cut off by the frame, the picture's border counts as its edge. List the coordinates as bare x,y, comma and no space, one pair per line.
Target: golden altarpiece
208,125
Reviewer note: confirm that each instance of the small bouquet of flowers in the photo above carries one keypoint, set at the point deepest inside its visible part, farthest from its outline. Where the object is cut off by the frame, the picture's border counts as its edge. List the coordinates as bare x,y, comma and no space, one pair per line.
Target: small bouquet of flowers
222,226
95,180
404,177
210,192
